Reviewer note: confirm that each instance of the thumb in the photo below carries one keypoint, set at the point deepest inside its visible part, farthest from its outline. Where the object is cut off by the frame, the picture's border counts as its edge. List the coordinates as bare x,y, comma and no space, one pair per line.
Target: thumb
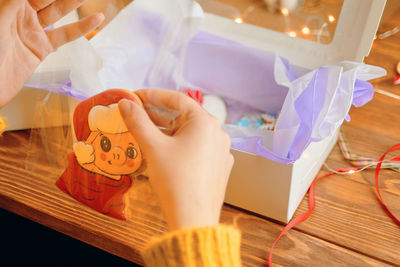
139,124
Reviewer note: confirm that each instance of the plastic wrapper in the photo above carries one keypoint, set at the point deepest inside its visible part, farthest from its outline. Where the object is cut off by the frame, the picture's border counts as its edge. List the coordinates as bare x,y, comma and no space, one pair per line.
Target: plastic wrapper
159,44
104,156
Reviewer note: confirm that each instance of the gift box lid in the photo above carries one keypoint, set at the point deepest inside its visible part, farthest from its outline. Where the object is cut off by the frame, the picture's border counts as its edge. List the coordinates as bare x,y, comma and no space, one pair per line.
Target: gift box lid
352,41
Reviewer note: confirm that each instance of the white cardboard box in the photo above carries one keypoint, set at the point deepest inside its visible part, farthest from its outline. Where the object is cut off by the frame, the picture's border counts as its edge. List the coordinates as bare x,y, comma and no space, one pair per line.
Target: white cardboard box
257,184
267,187
274,189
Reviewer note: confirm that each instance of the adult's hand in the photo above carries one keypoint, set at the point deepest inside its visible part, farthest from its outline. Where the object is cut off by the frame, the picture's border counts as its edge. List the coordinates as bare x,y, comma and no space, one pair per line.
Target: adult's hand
24,43
188,169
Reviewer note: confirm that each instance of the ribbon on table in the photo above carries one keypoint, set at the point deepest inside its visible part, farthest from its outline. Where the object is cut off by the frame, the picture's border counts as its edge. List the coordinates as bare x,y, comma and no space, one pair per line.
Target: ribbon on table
378,169
363,163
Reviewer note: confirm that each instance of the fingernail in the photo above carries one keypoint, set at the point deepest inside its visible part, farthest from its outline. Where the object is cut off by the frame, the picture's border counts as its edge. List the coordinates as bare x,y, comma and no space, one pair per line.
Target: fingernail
99,17
125,106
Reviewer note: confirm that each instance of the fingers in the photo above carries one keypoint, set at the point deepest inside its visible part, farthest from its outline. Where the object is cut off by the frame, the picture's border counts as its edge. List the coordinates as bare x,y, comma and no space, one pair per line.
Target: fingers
68,33
168,99
139,124
169,109
40,4
163,117
56,10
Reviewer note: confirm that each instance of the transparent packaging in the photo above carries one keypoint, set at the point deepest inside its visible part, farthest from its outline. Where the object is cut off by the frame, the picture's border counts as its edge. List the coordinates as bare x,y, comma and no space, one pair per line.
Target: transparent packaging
161,44
313,20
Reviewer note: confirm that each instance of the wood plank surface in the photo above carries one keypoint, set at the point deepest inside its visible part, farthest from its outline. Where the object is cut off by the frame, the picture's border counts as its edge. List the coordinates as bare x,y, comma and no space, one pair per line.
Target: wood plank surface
348,212
348,227
294,249
35,196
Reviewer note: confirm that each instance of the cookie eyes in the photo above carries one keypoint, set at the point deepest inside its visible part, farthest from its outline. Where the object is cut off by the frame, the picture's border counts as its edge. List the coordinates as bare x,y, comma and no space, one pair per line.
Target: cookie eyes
105,144
131,153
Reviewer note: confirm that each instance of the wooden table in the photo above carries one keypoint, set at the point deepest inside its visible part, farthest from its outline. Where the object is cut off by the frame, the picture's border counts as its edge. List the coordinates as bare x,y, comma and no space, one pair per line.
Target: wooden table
348,227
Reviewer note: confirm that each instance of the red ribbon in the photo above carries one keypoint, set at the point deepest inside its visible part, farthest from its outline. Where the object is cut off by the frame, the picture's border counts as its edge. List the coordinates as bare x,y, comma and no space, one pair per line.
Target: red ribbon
195,94
311,199
378,169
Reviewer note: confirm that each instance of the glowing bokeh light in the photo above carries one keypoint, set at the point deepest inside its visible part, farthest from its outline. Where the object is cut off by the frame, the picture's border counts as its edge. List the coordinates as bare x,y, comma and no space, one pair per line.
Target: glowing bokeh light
285,12
238,20
306,30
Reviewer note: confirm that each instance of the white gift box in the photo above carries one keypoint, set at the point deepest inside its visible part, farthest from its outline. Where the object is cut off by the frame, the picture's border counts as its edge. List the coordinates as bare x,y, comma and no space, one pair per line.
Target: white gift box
270,188
267,187
257,184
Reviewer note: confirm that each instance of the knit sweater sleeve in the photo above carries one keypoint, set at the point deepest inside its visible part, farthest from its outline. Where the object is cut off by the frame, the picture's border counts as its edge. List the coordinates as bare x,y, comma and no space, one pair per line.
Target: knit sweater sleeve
206,246
3,124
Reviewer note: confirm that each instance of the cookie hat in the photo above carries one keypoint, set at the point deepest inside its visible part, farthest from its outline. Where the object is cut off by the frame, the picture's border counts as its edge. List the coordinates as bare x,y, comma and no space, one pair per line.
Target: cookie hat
98,113
106,119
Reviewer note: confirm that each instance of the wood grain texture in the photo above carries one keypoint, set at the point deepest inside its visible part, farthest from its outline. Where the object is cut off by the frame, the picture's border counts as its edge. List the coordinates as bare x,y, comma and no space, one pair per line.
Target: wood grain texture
348,227
348,212
35,196
294,249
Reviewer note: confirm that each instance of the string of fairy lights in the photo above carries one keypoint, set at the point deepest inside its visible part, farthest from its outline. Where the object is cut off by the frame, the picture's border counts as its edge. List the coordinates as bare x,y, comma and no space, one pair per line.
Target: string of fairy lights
306,30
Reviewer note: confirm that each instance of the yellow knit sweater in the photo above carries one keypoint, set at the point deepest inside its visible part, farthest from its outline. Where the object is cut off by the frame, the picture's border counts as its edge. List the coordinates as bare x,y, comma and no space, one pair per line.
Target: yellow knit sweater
206,246
3,125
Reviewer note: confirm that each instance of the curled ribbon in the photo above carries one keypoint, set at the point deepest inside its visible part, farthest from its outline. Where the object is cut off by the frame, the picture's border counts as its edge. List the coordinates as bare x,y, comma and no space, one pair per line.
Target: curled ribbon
378,169
365,162
362,163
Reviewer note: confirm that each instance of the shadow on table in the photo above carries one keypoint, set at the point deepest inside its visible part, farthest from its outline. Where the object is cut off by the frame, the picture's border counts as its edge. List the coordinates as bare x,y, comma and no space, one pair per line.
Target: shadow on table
26,242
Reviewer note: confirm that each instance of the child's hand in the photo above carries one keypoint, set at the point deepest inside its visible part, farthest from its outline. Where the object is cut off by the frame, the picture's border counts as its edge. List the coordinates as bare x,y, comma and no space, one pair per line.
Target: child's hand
24,43
188,170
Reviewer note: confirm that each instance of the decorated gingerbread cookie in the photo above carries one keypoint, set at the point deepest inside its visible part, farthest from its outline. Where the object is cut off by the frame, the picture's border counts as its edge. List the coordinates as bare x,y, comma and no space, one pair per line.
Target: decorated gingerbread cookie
104,157
258,120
